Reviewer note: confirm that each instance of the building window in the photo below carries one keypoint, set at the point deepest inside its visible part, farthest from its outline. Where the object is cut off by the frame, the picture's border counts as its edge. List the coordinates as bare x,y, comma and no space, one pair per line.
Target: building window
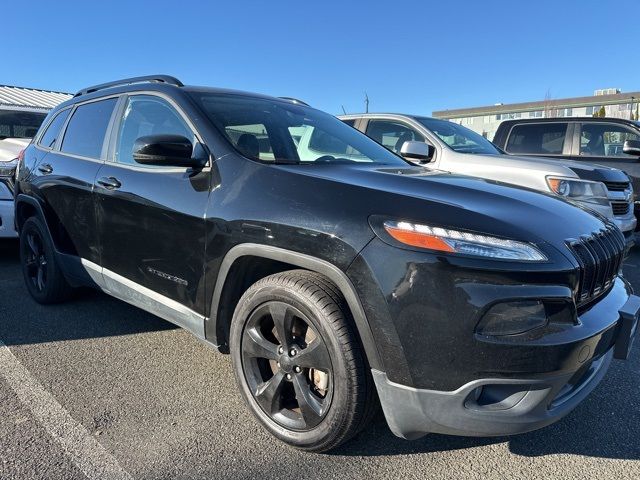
535,114
592,110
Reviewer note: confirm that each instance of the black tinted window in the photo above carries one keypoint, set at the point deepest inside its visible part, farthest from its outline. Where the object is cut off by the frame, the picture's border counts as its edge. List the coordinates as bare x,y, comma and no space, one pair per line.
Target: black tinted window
20,124
542,138
86,130
51,133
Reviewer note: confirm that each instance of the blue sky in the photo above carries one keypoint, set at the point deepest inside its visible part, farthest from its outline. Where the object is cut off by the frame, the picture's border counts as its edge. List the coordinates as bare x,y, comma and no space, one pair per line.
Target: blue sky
409,56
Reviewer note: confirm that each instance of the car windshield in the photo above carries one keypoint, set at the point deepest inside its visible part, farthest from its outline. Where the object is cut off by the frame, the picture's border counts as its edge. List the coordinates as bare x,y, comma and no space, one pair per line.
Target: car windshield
19,124
459,138
281,132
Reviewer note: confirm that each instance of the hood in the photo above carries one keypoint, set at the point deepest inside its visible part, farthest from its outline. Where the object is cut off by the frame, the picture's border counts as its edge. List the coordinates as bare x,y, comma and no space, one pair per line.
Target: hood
458,201
528,172
10,148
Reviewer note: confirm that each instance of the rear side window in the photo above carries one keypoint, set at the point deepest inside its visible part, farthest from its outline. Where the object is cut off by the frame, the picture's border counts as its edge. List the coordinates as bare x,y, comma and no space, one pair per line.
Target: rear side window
537,138
87,128
51,133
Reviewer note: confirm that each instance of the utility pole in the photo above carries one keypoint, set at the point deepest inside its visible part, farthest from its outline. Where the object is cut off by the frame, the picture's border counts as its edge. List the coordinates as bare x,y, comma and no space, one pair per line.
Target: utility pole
366,103
631,110
343,110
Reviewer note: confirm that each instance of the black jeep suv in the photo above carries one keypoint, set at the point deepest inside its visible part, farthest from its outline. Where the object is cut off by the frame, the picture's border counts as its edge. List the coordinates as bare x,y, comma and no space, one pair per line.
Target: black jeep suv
330,272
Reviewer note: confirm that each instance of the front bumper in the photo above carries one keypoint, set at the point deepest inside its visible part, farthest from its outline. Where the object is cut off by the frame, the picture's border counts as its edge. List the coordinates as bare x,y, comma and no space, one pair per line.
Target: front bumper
506,406
626,224
7,225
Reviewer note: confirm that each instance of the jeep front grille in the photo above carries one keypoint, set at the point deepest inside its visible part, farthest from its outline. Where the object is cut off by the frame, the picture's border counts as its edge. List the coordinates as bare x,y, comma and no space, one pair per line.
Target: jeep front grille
600,257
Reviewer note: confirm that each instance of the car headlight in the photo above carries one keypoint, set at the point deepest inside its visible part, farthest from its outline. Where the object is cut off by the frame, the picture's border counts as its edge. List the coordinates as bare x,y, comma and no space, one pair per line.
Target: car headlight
8,169
454,241
579,190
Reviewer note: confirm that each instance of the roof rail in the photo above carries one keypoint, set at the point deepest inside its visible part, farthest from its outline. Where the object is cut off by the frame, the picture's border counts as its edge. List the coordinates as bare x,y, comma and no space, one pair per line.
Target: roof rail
128,81
295,100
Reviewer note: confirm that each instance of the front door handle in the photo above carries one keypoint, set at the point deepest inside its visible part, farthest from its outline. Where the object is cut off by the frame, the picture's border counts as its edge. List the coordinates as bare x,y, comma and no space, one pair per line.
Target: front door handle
110,183
45,169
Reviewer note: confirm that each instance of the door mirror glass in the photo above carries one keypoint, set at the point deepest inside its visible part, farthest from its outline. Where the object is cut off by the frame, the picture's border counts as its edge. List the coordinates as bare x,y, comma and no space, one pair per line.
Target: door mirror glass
420,151
632,147
166,151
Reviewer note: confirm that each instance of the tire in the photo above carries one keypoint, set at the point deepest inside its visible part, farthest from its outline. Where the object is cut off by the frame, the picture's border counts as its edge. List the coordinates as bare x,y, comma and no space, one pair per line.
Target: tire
338,393
42,274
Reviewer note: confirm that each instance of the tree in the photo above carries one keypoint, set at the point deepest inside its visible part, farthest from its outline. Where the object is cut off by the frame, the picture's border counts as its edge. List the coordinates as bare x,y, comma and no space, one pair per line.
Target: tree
602,112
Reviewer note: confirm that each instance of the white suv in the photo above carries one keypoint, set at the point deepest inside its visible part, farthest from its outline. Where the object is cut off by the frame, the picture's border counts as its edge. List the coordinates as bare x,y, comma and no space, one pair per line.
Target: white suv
454,148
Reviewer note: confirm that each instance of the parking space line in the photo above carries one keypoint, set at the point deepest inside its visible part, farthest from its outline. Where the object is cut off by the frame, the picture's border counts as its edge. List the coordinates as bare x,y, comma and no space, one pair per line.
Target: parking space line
83,450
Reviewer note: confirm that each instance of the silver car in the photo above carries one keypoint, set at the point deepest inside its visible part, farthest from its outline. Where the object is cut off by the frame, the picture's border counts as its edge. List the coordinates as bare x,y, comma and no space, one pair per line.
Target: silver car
444,145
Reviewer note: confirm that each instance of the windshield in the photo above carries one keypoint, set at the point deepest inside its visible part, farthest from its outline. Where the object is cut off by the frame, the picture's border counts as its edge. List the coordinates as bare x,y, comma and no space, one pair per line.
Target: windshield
459,138
280,132
19,124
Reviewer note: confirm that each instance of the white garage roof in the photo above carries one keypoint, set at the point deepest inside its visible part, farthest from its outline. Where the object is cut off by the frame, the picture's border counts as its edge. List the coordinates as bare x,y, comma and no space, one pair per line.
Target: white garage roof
30,98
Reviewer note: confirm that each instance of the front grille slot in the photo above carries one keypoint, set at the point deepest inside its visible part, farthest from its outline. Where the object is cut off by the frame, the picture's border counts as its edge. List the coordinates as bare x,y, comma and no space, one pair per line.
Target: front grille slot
620,208
600,257
617,186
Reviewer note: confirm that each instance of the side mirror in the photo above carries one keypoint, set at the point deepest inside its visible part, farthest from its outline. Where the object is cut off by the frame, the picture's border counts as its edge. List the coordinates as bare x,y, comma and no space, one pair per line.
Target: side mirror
632,147
167,151
420,151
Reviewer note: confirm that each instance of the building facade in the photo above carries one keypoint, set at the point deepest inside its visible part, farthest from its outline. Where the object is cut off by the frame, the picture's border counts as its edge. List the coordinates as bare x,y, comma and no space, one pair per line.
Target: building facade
485,120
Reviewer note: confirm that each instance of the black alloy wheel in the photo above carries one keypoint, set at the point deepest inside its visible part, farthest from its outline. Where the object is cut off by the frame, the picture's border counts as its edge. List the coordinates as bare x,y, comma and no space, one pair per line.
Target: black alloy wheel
42,274
35,261
298,361
287,366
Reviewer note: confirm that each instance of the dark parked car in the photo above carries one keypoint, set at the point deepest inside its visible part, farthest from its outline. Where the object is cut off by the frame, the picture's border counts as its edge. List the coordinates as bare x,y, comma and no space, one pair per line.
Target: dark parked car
470,307
612,142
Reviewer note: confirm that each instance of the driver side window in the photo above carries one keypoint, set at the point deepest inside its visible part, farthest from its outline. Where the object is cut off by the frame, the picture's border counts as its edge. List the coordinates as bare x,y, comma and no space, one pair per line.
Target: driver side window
603,140
147,115
392,134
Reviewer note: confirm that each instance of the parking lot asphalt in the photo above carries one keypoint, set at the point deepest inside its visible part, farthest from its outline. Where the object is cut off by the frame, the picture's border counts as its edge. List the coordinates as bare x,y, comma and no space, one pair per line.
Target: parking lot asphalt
95,388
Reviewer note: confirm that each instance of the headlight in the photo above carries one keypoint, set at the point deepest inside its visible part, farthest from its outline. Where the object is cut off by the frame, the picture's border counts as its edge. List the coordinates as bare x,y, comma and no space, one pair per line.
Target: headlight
454,241
579,190
8,169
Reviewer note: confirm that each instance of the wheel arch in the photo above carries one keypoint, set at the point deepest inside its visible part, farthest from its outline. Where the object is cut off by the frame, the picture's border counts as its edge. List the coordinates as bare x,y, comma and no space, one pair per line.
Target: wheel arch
26,207
217,325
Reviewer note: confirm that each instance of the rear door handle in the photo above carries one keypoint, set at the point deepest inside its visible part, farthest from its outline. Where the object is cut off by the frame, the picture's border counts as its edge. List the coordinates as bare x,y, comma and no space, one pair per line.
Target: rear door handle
45,169
110,183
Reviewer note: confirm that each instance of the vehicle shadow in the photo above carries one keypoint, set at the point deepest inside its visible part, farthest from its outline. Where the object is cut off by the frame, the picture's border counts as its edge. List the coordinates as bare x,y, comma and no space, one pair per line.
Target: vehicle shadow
90,314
